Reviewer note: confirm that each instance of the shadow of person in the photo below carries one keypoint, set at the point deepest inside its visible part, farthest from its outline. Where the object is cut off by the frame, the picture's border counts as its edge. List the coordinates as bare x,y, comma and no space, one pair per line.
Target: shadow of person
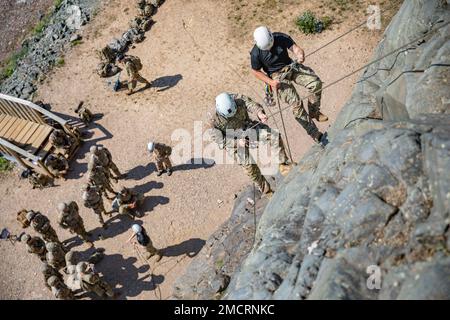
195,163
189,247
166,82
140,172
123,275
146,187
118,224
151,202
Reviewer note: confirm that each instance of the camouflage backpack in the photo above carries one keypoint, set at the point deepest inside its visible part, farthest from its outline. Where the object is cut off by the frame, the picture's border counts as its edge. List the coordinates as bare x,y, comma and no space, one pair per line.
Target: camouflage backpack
136,62
107,55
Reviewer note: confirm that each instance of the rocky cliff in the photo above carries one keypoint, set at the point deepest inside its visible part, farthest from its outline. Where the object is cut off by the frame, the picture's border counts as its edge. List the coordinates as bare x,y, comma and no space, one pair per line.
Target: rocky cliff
366,217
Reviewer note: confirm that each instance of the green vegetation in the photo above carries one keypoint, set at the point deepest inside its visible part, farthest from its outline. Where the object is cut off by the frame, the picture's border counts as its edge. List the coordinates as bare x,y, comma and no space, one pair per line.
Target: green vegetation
308,23
60,62
5,165
76,43
11,63
58,3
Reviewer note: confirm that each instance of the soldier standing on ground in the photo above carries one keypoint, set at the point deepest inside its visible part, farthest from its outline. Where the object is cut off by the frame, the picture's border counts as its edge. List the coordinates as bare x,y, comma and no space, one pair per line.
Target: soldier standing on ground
91,282
92,199
41,224
102,156
127,201
141,237
59,289
99,177
35,246
48,271
55,255
132,65
61,141
270,54
69,218
57,165
161,154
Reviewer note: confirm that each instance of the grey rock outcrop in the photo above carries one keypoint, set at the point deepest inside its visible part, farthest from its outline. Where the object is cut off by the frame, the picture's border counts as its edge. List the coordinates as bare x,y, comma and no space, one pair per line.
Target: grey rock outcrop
368,216
47,46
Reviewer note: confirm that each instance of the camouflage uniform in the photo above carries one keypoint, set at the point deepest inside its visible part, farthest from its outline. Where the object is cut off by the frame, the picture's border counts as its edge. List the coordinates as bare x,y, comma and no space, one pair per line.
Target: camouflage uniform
22,218
100,177
93,199
161,154
145,8
101,156
41,225
39,180
133,74
59,289
57,165
69,218
48,271
127,201
305,77
91,282
55,255
85,115
61,141
241,122
35,246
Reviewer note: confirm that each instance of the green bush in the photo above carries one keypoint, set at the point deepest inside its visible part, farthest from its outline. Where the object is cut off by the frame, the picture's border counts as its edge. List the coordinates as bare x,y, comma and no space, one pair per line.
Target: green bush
5,165
308,23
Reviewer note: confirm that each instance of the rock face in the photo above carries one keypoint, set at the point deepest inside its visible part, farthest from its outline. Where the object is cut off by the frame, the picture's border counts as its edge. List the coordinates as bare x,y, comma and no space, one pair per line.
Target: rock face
368,216
46,47
209,274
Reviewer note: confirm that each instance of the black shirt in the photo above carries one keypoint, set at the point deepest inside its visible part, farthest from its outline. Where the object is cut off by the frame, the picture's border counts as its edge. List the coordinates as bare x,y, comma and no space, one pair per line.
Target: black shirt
274,59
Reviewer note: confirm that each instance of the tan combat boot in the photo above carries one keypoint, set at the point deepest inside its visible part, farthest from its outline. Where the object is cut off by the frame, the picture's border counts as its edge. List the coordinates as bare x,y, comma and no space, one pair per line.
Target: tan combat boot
285,168
319,116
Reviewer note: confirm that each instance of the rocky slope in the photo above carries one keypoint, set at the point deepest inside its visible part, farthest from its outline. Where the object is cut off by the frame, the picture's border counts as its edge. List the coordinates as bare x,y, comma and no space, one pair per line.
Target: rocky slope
46,46
368,216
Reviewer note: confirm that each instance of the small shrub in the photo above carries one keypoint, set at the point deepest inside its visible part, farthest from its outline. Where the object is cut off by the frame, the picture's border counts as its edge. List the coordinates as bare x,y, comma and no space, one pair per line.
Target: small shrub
5,165
10,64
60,62
76,43
308,23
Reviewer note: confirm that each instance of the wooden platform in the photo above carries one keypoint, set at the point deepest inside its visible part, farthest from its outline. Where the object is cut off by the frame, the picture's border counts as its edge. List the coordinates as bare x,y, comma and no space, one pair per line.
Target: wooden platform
27,135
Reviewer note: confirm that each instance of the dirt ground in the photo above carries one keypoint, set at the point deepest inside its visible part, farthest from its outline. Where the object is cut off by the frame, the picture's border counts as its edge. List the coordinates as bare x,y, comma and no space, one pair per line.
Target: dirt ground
183,210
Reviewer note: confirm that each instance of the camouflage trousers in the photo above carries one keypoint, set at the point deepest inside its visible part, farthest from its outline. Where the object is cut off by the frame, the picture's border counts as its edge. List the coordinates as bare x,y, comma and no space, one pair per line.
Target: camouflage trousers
135,77
304,77
81,231
50,235
114,169
151,250
163,164
264,135
99,210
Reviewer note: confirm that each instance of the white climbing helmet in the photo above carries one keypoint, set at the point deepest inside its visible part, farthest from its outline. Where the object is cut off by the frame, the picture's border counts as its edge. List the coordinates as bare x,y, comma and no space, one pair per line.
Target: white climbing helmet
225,105
263,38
150,146
136,228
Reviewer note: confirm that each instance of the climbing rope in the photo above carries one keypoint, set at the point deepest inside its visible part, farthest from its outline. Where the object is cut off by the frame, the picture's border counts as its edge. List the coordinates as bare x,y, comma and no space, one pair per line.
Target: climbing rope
254,212
284,127
145,261
427,34
362,24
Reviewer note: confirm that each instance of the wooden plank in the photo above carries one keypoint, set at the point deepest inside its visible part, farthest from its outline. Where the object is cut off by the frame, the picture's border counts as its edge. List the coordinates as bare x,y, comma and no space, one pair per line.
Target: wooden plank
18,129
2,116
20,151
34,138
7,125
24,131
40,138
4,120
29,134
43,152
16,126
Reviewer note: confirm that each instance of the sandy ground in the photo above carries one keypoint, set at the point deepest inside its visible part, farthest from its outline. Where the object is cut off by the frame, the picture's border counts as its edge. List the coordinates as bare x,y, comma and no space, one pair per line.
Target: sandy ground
182,210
